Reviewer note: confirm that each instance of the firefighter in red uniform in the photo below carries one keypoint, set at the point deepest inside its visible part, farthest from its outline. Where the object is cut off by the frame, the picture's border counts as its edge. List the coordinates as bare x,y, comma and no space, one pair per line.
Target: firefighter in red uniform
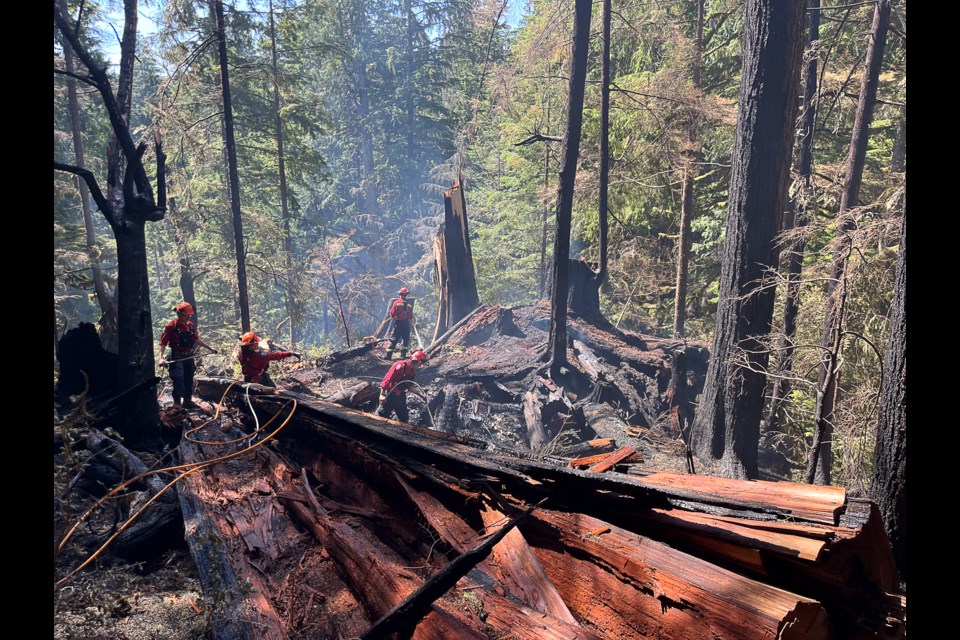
182,337
254,361
401,312
393,389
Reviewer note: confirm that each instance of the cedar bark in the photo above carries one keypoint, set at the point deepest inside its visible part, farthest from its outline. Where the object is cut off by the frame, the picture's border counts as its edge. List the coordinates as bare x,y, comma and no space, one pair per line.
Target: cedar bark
568,174
727,426
234,179
820,458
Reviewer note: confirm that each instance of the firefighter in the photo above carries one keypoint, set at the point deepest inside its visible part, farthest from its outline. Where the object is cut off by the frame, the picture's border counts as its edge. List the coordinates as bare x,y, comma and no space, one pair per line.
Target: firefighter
393,389
401,312
182,337
254,361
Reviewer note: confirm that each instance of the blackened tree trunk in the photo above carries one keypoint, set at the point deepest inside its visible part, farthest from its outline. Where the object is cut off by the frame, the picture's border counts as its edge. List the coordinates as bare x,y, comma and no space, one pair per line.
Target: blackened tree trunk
108,306
455,275
802,203
727,426
234,179
692,157
128,207
586,283
888,487
820,458
568,174
292,302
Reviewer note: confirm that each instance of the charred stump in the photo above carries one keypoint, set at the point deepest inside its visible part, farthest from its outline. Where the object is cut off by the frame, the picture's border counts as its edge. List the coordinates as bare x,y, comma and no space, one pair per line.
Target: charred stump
454,274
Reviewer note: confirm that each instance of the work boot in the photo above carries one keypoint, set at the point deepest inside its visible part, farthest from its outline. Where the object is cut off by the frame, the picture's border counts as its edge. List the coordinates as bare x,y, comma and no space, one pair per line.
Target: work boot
176,403
189,404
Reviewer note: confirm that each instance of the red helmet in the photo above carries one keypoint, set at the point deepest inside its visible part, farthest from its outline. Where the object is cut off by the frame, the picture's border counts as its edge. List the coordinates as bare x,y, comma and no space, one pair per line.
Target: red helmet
404,291
420,356
185,307
249,338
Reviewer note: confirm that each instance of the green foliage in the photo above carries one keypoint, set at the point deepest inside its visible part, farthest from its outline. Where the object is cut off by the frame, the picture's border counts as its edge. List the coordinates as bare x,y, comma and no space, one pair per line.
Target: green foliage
384,103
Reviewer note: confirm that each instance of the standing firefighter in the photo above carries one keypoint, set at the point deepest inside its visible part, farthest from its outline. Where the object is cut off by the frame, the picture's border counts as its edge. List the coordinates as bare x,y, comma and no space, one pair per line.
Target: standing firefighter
393,389
401,312
254,361
182,337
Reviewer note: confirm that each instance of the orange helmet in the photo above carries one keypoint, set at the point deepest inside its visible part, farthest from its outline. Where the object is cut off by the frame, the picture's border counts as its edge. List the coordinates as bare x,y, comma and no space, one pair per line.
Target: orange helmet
404,291
420,356
249,338
185,307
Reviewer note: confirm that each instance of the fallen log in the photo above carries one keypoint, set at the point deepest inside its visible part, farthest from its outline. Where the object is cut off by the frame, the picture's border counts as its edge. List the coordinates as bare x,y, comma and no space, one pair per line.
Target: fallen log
344,354
624,501
439,342
608,462
595,446
625,454
513,564
407,614
643,588
355,395
536,434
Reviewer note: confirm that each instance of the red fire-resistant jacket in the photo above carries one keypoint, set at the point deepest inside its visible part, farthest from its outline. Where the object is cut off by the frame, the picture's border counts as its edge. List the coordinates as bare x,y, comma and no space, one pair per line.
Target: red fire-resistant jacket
180,336
401,310
399,372
254,363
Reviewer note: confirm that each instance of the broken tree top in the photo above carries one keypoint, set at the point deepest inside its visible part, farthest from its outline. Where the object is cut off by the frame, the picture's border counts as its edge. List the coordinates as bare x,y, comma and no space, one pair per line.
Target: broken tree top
367,527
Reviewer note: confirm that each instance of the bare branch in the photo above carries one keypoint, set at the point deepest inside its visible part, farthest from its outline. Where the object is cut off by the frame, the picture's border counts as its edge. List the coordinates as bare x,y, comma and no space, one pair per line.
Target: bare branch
537,137
86,79
117,121
102,203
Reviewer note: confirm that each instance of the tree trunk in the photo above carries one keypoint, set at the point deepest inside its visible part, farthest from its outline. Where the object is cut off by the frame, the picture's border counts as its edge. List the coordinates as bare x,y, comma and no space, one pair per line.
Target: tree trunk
293,305
183,256
898,163
367,167
683,252
108,306
546,212
888,487
686,190
727,426
136,364
568,175
455,275
801,204
834,312
585,283
231,145
129,205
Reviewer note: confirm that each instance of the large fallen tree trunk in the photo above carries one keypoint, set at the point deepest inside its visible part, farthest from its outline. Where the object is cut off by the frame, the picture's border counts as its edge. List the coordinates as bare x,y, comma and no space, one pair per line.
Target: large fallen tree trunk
731,520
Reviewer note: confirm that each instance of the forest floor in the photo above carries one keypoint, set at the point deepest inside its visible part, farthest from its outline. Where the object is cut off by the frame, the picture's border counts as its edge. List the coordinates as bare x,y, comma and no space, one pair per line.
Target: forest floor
162,597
